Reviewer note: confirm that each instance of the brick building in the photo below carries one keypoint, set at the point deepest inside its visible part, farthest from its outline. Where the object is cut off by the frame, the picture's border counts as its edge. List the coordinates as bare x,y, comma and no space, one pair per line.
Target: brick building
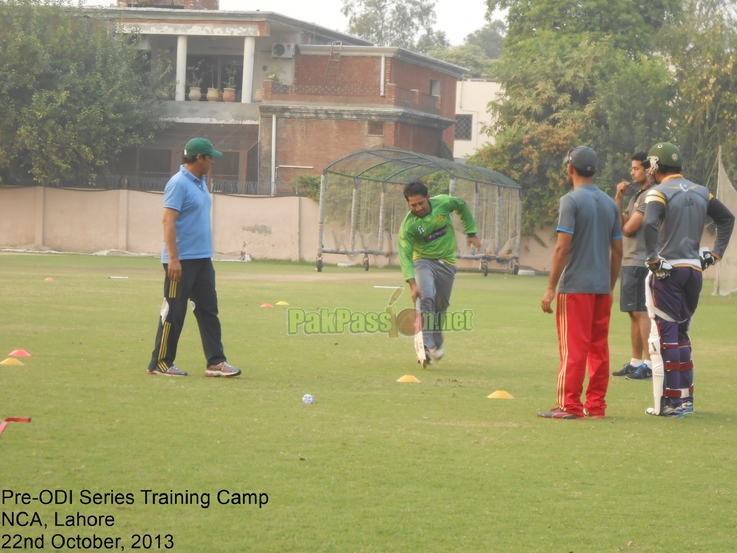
186,4
304,95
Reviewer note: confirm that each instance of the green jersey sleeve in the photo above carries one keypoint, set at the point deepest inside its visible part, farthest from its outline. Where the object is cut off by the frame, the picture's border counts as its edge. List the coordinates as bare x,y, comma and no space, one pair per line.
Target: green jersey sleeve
433,236
464,212
406,249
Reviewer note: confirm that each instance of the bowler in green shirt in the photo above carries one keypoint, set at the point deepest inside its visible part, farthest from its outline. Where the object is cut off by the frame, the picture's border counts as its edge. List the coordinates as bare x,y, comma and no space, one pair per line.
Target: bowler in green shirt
427,248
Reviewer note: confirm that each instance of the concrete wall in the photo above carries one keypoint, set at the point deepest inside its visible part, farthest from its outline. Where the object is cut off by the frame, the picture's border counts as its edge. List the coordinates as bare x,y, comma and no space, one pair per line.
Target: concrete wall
18,215
537,253
265,228
89,221
284,228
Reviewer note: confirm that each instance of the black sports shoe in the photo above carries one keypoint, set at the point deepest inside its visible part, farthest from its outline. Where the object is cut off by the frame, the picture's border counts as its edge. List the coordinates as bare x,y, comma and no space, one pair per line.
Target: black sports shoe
428,359
626,369
642,373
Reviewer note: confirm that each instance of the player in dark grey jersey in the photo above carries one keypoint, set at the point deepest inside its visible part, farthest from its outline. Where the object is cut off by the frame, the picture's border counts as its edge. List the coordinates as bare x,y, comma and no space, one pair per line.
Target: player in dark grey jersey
633,273
675,214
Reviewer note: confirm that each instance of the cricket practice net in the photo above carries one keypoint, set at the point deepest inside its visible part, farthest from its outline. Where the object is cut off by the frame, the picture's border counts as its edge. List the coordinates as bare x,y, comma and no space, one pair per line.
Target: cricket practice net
362,207
726,280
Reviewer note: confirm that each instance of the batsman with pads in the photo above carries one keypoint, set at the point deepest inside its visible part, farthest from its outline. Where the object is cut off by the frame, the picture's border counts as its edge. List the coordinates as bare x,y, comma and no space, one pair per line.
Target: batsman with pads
675,214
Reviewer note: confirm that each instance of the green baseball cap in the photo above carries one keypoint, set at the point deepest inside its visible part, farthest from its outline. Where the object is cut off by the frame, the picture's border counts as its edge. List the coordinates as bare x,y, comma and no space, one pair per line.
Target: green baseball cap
666,155
201,146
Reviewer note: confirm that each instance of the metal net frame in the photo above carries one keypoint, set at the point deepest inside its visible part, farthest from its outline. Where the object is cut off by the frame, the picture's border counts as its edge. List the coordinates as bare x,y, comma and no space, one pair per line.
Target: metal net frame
362,207
725,282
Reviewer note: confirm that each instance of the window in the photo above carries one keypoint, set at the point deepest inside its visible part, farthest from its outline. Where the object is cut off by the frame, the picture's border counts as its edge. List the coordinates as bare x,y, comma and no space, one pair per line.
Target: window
376,128
434,87
125,162
227,167
154,163
464,127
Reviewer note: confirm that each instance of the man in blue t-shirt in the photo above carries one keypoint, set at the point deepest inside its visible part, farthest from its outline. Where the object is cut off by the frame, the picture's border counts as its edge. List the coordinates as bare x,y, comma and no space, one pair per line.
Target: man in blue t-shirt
187,259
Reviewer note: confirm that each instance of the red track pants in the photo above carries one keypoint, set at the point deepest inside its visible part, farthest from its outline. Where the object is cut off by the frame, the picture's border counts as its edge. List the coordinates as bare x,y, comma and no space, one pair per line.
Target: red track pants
583,337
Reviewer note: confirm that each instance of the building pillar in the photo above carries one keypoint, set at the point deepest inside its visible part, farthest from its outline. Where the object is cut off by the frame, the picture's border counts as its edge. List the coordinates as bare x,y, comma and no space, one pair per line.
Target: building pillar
181,76
38,238
273,155
249,52
123,220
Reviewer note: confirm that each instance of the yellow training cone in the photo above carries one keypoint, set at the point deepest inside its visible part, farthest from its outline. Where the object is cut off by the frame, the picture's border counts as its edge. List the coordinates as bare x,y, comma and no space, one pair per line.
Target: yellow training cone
281,303
11,361
500,394
407,378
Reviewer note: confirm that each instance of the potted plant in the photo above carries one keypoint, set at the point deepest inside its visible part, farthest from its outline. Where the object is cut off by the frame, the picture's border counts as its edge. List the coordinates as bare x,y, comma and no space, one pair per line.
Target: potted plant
194,81
231,70
213,94
273,76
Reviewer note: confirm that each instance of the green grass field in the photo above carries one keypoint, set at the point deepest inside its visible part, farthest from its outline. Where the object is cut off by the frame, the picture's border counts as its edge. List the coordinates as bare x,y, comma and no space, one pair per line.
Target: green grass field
373,465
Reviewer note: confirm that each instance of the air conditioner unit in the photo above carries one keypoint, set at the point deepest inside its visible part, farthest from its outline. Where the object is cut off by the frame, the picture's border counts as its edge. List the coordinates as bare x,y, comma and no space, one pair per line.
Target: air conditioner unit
282,50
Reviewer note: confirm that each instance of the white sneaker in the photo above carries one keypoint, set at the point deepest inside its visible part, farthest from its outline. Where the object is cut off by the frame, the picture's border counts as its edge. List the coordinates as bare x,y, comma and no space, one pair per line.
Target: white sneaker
437,353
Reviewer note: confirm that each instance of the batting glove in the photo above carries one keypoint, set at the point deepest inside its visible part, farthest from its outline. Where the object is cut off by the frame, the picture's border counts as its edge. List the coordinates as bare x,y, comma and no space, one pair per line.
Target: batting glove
708,259
660,267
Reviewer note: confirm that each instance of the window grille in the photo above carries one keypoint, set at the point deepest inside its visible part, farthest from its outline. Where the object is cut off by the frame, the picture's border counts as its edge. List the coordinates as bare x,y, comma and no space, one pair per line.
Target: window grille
464,127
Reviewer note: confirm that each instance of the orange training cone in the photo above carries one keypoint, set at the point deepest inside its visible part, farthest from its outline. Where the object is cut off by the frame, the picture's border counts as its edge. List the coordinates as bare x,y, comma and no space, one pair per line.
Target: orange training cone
19,353
266,305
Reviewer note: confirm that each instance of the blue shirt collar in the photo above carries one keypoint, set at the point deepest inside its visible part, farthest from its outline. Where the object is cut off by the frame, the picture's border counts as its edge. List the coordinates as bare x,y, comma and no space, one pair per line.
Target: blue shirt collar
201,182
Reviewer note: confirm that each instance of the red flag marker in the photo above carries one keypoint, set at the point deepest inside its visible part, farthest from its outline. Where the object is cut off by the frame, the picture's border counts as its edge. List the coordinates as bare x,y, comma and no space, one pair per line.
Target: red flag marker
12,419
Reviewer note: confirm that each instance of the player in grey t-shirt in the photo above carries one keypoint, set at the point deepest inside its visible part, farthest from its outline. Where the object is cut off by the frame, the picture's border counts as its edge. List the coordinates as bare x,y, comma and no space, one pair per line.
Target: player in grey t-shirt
675,214
585,266
633,272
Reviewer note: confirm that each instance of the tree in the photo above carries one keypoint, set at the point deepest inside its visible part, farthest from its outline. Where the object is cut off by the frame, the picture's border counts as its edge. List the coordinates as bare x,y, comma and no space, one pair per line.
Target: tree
577,72
630,24
75,92
431,40
703,53
489,38
559,96
390,22
470,56
480,52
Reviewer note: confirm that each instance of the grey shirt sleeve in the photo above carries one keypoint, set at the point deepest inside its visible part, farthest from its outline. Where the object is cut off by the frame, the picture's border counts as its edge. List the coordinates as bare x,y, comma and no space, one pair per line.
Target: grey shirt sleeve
724,221
653,214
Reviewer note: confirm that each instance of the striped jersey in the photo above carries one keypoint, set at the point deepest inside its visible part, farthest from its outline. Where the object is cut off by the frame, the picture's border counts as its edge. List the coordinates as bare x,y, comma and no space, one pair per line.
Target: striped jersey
679,236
